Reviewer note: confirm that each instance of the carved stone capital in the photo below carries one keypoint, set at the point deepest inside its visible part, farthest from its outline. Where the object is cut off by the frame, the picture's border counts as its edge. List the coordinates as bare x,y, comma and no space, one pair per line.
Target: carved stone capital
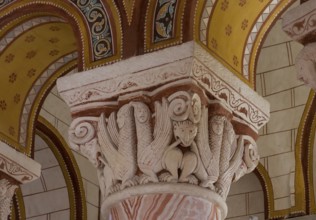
300,24
15,169
180,130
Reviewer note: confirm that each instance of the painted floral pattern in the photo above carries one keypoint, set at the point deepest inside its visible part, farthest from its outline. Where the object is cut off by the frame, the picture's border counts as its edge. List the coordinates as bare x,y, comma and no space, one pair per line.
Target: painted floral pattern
164,20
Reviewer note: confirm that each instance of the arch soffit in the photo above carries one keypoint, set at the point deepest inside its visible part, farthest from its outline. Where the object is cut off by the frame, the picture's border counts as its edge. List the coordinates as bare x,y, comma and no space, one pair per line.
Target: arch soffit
96,24
233,31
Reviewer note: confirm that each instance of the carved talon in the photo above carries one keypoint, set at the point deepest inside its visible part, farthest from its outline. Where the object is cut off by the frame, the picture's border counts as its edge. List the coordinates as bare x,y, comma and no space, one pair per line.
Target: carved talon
208,184
129,183
219,191
189,179
144,179
115,188
167,177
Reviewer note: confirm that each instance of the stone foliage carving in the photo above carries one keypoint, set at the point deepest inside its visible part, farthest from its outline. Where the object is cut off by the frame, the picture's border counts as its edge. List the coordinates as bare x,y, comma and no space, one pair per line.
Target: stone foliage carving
7,191
306,65
176,140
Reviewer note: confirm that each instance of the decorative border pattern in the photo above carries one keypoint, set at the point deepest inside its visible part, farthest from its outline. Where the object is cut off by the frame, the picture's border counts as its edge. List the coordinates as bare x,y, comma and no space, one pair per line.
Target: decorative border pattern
274,15
222,91
184,69
34,91
16,31
5,2
205,19
99,25
79,23
164,20
155,22
16,171
127,83
302,26
253,35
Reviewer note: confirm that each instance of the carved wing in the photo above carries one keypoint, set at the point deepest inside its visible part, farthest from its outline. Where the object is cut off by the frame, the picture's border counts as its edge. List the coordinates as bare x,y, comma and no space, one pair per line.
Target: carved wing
226,178
202,140
144,132
108,148
163,130
227,141
113,129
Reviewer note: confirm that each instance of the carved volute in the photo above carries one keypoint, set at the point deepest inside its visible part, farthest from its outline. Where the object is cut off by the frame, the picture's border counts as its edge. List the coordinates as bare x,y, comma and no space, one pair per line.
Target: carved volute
170,142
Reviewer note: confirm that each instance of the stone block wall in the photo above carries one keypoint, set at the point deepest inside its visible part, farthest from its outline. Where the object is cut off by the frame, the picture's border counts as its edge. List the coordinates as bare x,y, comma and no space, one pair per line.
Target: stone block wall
276,81
57,113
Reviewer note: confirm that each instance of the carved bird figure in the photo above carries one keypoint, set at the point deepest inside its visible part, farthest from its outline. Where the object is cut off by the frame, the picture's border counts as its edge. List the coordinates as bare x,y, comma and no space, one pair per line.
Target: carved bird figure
214,141
151,145
117,138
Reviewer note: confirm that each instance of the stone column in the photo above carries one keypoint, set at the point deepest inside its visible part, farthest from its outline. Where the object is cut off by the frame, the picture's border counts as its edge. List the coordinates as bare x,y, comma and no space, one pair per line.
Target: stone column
168,132
15,169
300,24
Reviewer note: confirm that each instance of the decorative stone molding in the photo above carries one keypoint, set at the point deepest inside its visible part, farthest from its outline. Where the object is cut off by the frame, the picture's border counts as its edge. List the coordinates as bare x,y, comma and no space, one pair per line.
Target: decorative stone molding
183,124
300,24
188,61
15,169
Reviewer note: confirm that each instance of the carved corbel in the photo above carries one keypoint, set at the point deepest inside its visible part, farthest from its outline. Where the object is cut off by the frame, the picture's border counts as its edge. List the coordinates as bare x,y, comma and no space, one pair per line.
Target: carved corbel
15,169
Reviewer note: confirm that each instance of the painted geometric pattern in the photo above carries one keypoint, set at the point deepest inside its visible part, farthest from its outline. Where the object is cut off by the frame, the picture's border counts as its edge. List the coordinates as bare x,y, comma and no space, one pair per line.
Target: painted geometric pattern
22,62
205,19
165,14
100,27
4,2
129,9
12,34
253,35
38,85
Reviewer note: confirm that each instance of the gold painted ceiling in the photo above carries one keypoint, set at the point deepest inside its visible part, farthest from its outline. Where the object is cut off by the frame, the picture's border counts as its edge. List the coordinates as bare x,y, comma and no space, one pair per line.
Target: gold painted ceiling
23,62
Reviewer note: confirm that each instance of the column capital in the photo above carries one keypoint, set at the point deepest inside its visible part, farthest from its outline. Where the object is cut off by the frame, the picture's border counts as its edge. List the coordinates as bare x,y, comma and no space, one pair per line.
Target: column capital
15,169
174,125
